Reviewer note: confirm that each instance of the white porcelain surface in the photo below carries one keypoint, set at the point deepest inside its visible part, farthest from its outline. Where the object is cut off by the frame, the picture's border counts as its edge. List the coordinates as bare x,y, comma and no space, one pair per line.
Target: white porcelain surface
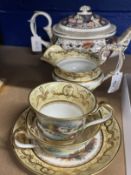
76,65
61,110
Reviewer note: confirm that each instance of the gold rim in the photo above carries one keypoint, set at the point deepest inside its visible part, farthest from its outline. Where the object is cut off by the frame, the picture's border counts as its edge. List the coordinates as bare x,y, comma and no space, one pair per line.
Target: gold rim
67,119
64,74
78,81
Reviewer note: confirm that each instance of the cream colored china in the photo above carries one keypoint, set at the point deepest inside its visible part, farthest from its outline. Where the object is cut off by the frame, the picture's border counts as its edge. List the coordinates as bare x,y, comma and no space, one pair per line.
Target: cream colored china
65,109
91,85
36,161
55,154
54,149
83,31
81,68
37,141
32,127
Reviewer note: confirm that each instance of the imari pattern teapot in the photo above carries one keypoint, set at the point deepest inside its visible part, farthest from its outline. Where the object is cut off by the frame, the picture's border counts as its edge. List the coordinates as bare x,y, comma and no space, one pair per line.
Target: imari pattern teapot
83,31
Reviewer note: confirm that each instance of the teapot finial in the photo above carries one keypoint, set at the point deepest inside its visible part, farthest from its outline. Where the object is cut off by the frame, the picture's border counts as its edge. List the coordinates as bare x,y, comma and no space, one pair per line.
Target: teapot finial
85,10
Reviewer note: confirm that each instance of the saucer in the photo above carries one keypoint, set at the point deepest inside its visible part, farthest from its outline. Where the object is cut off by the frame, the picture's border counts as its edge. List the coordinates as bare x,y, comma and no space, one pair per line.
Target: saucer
111,138
91,85
76,159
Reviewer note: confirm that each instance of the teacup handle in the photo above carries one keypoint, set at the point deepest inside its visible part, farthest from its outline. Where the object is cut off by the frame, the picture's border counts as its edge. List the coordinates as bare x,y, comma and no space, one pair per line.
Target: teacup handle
21,133
121,58
99,121
104,119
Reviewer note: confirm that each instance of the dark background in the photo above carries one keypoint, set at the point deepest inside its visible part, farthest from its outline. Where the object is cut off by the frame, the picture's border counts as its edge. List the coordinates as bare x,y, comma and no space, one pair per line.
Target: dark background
14,16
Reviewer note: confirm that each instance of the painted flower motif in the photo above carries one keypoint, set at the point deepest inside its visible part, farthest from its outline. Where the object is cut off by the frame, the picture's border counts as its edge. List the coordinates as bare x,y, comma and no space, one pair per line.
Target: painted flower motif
66,130
91,24
72,20
88,44
79,21
64,22
68,90
103,22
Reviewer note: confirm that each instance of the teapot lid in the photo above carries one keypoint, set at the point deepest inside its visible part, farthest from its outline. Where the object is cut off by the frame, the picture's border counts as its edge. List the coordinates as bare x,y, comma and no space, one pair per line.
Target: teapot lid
84,24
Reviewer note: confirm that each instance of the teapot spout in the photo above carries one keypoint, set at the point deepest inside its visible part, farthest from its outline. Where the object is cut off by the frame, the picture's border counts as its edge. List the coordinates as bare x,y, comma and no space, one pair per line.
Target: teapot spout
52,55
124,39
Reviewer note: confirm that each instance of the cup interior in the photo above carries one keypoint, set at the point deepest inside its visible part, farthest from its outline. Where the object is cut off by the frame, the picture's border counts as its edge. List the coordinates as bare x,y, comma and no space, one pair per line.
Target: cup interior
62,100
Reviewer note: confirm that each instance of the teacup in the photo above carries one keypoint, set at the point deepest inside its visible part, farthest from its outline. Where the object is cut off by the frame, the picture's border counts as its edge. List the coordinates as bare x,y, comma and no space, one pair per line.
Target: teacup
32,127
64,110
31,137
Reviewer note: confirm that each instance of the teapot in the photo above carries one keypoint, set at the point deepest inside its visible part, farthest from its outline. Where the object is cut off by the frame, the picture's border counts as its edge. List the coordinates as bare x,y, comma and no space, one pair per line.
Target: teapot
83,31
81,68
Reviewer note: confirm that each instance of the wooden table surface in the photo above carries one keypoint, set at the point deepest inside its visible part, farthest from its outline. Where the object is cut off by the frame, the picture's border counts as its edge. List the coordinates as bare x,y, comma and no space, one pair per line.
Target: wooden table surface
23,71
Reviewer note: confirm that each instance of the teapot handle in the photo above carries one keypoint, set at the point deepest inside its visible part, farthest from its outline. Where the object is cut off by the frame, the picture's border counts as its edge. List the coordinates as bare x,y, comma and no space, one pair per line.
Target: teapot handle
46,28
121,57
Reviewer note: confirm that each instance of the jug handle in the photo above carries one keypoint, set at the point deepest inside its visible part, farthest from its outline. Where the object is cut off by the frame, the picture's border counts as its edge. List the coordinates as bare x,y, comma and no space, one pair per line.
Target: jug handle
121,57
47,28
